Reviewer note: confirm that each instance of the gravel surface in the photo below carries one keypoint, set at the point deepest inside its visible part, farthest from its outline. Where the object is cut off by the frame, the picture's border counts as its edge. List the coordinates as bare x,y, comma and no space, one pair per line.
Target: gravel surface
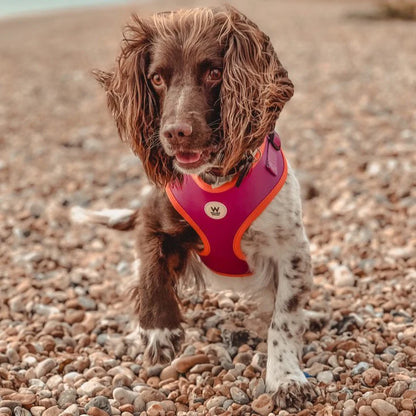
350,131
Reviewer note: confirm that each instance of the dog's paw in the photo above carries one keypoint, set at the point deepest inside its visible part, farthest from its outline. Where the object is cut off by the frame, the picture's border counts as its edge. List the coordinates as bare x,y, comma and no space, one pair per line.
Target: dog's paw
161,345
291,393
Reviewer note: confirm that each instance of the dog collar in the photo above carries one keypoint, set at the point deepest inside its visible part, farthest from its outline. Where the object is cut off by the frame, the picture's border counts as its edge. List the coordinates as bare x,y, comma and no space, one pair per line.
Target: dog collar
221,215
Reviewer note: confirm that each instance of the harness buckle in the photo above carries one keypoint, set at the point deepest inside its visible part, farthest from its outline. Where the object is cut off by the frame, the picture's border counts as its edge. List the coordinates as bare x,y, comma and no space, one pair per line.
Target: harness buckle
270,139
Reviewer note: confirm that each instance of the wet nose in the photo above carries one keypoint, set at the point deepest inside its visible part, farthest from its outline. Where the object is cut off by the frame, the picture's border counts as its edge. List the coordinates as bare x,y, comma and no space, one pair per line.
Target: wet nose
177,130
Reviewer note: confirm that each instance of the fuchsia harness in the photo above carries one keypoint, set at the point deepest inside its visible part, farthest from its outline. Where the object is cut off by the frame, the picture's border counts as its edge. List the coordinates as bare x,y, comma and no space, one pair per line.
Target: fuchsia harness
221,215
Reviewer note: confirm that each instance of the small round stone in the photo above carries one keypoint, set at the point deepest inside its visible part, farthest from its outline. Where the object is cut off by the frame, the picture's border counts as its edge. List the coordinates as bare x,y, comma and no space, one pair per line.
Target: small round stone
52,411
169,372
216,401
365,411
398,388
263,405
184,363
101,402
45,367
383,408
90,388
96,411
124,396
371,377
343,276
71,410
67,397
360,368
152,395
239,396
325,377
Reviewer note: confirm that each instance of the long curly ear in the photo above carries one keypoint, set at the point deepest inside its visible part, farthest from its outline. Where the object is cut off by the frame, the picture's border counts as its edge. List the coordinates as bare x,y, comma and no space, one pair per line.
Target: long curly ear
132,102
255,85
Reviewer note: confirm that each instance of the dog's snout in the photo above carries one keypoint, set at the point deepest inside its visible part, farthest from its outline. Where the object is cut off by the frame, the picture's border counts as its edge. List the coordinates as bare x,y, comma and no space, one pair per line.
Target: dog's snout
177,130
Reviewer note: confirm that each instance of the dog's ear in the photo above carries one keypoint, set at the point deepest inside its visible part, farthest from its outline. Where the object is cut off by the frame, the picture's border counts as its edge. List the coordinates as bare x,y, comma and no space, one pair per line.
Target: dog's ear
103,78
255,85
131,99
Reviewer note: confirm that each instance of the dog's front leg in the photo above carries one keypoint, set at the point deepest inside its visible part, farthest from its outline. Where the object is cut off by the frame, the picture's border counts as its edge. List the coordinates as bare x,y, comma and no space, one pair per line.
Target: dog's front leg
156,302
163,248
284,378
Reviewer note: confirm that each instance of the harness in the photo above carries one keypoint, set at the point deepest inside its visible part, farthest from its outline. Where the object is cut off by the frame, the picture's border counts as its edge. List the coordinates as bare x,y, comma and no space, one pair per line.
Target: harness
221,215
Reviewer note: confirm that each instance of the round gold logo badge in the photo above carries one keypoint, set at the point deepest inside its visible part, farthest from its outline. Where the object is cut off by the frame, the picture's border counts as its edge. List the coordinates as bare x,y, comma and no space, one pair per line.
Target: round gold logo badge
215,210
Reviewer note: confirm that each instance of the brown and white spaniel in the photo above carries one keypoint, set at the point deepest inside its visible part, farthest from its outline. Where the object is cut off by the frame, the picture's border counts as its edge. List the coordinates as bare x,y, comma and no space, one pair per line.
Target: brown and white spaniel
195,92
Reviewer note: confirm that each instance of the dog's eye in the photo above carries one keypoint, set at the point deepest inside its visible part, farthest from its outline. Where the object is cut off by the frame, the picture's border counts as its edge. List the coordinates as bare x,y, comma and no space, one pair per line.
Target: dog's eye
215,74
157,80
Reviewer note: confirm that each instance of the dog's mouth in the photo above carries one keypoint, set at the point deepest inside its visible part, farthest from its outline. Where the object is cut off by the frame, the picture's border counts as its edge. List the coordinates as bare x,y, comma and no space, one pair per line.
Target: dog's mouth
193,161
188,158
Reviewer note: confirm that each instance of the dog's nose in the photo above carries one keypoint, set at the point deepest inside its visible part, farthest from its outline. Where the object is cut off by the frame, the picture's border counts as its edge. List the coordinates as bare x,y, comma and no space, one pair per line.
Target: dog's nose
177,130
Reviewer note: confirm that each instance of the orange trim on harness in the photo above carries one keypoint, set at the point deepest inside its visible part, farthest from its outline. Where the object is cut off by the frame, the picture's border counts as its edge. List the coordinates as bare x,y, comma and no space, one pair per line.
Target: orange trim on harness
256,213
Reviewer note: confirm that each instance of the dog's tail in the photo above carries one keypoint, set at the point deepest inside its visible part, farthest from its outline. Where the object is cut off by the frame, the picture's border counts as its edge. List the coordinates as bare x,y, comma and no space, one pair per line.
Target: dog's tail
119,219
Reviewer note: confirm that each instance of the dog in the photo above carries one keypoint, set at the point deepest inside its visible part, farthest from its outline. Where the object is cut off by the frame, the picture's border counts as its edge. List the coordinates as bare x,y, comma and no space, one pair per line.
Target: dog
196,95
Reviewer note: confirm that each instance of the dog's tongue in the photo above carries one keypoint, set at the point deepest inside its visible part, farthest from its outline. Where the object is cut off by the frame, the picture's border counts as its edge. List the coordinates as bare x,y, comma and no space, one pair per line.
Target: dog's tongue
188,157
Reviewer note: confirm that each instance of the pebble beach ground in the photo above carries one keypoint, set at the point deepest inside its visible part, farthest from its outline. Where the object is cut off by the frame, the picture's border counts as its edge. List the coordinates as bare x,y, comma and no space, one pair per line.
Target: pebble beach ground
350,132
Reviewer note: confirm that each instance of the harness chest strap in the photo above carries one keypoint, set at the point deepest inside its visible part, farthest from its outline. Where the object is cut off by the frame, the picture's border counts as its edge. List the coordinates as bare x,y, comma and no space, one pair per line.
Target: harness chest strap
221,215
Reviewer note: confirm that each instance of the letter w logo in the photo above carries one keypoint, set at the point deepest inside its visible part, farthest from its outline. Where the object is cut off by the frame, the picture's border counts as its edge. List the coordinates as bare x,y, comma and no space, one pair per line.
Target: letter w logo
215,211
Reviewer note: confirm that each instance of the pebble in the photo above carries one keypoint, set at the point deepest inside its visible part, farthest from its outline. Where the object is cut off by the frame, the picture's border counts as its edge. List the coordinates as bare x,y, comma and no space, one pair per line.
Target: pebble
239,396
126,408
52,411
37,410
24,399
169,372
214,402
71,410
383,408
96,411
152,395
200,368
20,411
140,404
45,367
225,302
398,388
259,360
67,397
360,368
371,377
184,363
365,411
156,409
89,388
11,404
53,382
407,404
325,377
227,404
154,370
12,355
100,402
343,276
410,394
257,387
263,405
349,411
124,396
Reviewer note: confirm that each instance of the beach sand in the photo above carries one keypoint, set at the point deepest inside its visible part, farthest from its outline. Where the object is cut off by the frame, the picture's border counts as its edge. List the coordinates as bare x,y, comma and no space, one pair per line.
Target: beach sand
349,131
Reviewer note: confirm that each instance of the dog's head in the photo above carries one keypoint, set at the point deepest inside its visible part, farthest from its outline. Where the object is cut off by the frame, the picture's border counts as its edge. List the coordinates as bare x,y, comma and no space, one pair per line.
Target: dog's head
195,90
